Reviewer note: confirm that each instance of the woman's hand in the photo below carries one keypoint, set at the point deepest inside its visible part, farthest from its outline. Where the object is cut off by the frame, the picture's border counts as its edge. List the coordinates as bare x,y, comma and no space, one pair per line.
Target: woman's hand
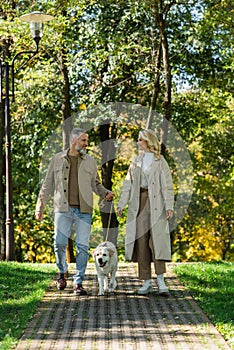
39,215
169,214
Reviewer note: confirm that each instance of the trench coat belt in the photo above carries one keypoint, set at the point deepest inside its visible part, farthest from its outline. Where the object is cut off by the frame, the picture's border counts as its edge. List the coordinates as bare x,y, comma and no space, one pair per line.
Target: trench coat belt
143,190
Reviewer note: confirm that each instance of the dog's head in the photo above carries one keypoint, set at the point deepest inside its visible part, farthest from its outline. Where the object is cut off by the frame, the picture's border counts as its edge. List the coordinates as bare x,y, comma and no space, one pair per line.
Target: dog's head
102,256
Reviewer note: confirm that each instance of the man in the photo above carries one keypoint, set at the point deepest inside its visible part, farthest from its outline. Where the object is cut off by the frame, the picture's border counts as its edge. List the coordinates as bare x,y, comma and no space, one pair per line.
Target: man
72,177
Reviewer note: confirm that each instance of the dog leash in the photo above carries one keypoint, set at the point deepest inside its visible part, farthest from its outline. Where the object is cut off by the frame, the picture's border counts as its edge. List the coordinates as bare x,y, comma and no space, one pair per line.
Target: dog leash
109,218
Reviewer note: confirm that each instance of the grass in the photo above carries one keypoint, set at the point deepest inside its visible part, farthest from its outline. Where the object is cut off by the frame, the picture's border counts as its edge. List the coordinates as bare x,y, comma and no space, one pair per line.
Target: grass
212,286
22,286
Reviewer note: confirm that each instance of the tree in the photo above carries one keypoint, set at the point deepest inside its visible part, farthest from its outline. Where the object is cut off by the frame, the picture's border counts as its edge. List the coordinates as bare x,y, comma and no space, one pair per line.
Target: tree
160,11
142,53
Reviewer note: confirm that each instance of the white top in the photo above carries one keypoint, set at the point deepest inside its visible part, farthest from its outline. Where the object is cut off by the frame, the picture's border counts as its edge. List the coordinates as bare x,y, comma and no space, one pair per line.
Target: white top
146,166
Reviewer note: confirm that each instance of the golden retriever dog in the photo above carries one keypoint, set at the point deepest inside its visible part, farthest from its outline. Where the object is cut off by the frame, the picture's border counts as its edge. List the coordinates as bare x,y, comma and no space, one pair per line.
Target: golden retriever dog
106,262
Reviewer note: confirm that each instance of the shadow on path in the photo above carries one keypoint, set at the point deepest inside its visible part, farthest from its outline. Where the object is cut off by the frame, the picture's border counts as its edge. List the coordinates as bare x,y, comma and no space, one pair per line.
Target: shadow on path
120,320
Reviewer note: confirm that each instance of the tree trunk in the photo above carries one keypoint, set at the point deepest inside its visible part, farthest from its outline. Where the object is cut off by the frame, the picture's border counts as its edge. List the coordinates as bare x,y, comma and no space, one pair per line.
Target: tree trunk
167,73
109,219
67,126
161,22
156,87
228,237
167,96
66,104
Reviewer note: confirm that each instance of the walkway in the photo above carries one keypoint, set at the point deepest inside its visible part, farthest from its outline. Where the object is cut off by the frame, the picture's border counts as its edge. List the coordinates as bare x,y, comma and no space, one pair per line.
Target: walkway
122,320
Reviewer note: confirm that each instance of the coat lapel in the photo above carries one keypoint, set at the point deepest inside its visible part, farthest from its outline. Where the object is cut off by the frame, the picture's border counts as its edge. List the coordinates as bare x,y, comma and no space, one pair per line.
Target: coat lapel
154,169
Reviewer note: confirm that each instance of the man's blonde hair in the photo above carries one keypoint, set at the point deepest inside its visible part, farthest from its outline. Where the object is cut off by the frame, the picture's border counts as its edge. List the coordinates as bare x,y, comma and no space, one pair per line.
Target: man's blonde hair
152,140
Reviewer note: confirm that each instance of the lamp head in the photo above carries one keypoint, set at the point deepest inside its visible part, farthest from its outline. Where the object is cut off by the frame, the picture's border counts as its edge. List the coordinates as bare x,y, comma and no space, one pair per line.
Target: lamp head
36,20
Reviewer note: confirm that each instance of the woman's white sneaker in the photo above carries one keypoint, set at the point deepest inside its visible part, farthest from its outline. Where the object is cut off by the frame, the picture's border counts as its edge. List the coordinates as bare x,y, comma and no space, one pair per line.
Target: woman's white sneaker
146,288
162,288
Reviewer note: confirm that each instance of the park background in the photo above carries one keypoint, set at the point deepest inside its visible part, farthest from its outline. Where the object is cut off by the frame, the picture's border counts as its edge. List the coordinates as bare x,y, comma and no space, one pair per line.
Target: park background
173,57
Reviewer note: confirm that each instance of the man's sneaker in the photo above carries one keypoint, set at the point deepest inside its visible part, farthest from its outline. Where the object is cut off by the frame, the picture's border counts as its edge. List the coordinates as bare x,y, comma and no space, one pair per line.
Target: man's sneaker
146,288
61,283
79,290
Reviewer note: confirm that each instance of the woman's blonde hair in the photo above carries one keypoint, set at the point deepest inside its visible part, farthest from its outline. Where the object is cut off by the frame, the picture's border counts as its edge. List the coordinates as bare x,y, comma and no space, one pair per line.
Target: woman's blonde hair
152,141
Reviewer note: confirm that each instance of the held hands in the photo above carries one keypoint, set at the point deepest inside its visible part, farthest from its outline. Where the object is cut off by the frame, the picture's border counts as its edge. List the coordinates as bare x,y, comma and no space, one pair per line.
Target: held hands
109,196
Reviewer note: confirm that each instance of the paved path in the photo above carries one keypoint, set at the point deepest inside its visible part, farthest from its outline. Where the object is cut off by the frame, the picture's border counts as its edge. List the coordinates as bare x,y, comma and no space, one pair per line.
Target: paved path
122,320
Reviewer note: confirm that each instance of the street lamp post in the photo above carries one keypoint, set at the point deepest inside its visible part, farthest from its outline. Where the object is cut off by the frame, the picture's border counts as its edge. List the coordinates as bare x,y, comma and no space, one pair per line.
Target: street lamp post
7,90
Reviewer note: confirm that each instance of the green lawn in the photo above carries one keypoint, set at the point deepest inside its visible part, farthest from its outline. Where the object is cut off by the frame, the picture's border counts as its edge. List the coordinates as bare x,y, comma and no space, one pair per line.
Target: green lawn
212,286
22,286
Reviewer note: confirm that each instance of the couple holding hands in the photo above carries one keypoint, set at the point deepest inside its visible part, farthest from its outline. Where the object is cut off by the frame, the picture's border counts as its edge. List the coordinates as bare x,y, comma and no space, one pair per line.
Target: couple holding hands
148,191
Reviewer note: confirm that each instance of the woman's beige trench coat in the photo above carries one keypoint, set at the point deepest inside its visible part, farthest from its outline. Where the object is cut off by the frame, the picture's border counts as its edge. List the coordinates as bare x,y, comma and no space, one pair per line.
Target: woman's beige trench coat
161,197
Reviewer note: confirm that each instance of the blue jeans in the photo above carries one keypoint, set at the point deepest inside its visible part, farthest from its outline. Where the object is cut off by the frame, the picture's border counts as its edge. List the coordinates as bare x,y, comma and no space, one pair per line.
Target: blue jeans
63,223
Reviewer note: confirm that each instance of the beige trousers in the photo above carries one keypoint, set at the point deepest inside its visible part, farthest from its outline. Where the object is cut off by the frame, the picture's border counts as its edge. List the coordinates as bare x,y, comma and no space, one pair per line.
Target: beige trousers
143,248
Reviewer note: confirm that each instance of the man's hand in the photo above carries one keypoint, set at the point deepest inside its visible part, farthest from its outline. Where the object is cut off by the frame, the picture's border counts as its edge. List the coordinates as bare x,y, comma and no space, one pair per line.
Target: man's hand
39,215
120,211
109,196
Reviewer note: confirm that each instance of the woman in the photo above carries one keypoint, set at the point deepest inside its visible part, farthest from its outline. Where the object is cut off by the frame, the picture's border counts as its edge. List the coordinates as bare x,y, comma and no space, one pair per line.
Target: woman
148,191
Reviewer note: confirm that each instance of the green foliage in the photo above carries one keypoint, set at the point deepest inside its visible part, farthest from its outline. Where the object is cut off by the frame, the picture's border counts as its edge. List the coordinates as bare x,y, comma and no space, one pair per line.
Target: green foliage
22,288
112,53
109,50
211,285
206,233
34,240
30,129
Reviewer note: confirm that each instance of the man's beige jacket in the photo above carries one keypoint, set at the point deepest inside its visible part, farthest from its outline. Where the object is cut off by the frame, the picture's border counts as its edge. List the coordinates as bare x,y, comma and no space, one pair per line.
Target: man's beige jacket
56,183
